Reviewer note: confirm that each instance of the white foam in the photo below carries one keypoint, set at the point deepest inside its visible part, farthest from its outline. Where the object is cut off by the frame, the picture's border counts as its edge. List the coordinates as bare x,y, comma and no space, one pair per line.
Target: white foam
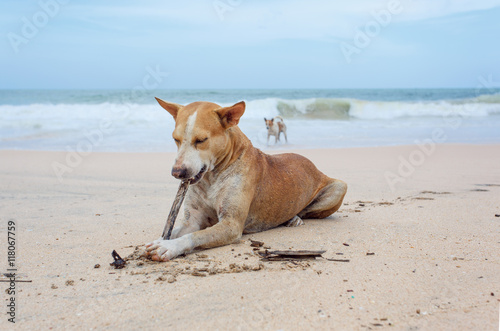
391,110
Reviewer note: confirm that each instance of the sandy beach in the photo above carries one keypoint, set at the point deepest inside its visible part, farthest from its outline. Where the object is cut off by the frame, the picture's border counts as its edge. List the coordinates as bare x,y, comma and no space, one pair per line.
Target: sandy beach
418,229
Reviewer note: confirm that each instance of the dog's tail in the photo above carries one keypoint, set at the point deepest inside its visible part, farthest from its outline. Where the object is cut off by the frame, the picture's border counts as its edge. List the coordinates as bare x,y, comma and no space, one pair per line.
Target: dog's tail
280,118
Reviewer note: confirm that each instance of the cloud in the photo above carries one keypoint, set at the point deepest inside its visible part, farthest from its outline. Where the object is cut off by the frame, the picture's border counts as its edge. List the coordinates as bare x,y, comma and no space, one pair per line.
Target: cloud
249,21
416,10
256,37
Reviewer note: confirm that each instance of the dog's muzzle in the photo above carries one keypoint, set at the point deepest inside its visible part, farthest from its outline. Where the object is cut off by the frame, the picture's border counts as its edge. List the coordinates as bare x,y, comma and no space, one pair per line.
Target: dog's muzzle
183,174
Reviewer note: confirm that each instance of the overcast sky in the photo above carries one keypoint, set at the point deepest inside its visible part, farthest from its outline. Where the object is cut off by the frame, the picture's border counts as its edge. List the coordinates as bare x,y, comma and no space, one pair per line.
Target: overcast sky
249,43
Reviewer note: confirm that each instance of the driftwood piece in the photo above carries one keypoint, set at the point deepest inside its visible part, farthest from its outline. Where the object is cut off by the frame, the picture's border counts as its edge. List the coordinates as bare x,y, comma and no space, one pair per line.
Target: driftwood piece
295,255
290,255
181,193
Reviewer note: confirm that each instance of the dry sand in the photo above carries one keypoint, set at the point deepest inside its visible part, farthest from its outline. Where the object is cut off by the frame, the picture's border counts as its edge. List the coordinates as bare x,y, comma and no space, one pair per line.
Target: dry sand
435,239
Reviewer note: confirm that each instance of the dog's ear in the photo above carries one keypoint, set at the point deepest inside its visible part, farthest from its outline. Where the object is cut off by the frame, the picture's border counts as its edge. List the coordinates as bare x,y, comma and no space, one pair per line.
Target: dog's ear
230,116
172,108
265,119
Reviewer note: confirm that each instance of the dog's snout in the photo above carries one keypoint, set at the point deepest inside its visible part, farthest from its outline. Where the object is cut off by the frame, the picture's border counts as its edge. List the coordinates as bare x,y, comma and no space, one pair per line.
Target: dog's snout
180,172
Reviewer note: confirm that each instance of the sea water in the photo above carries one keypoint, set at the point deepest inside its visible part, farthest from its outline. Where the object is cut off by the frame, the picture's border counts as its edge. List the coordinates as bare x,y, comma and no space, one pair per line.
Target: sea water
132,121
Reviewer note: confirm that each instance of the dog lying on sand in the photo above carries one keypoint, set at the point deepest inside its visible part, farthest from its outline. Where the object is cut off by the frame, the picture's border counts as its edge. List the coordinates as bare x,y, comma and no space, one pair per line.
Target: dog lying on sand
236,188
275,128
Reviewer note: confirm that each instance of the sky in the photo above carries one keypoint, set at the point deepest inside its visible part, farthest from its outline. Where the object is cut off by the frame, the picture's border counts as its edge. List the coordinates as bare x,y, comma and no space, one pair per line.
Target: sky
217,44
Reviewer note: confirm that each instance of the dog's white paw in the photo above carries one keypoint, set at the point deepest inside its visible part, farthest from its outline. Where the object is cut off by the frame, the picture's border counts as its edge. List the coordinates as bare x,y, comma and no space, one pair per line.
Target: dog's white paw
295,221
165,250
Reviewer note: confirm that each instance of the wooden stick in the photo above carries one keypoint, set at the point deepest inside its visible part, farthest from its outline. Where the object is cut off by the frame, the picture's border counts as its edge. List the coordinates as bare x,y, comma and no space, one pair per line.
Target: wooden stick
338,260
181,193
290,255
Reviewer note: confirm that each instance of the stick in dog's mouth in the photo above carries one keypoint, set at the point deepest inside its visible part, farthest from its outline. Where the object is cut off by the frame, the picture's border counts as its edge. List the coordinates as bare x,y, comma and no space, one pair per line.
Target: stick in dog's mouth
181,193
199,176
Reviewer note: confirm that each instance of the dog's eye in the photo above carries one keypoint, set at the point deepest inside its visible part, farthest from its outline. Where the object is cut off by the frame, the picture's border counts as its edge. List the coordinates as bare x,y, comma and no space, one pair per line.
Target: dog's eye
200,141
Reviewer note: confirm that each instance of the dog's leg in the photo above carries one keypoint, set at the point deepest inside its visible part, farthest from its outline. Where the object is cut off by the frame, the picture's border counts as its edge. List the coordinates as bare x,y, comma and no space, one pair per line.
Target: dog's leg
195,218
222,233
286,138
186,225
327,201
295,221
227,230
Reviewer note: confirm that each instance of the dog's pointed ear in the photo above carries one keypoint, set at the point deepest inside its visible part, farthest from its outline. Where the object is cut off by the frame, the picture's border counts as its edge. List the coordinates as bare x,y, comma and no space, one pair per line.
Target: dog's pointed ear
172,108
230,116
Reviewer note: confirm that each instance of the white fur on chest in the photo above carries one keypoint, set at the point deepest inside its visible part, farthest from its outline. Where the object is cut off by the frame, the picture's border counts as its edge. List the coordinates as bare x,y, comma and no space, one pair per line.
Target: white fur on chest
208,197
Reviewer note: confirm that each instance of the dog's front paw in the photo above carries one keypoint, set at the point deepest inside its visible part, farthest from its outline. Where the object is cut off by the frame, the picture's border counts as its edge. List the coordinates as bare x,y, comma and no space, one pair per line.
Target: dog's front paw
165,250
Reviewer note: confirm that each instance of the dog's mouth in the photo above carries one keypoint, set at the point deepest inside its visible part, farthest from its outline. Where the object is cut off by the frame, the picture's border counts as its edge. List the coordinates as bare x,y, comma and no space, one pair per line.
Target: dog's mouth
199,176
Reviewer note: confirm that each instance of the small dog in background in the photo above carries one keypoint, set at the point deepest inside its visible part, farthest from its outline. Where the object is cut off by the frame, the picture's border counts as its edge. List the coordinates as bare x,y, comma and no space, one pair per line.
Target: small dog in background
275,128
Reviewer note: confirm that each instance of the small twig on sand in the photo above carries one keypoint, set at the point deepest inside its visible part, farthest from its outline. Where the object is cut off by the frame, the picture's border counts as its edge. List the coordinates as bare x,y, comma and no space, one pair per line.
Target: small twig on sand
338,260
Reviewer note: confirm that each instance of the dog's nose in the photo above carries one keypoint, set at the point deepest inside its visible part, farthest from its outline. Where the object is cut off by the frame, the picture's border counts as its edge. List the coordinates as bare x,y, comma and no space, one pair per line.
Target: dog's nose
180,172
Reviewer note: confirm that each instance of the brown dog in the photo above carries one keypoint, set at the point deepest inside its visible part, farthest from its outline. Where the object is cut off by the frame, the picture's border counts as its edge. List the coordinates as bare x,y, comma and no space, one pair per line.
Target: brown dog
236,188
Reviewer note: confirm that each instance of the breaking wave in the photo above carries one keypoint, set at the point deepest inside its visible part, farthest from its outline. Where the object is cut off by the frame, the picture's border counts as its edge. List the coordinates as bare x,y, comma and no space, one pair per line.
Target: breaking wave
343,109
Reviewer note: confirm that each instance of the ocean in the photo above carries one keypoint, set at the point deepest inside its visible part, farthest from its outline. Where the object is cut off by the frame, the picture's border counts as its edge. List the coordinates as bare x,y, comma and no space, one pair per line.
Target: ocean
132,121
